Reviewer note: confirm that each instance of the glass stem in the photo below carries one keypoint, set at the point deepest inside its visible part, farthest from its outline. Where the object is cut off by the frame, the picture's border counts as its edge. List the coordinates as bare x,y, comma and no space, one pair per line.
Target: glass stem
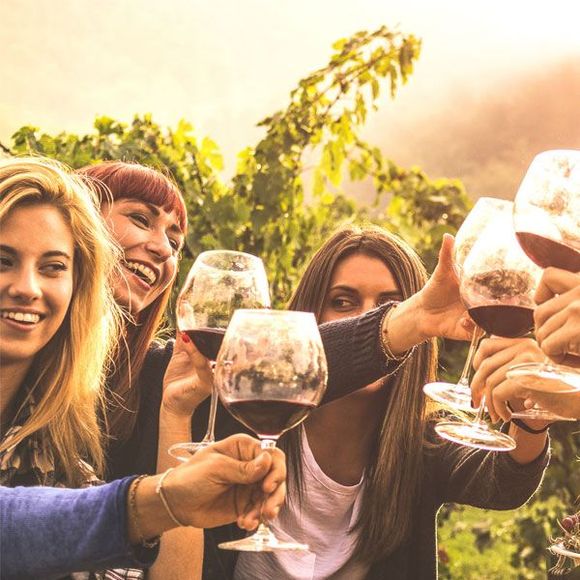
475,338
480,412
210,436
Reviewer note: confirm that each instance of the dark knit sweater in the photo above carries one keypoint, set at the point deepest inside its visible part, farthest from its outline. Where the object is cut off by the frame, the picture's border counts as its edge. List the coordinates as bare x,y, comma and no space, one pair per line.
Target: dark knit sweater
354,356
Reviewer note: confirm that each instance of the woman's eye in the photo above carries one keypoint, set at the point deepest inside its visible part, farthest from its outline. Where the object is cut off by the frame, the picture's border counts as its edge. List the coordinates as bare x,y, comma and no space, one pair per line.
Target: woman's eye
341,303
139,218
5,262
54,268
175,244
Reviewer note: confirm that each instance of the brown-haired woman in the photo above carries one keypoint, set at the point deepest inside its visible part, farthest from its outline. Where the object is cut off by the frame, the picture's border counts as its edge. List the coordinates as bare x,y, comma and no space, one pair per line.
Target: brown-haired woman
367,475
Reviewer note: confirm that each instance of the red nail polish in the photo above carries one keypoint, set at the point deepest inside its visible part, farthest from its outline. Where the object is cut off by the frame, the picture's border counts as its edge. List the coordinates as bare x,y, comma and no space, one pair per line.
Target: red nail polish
185,338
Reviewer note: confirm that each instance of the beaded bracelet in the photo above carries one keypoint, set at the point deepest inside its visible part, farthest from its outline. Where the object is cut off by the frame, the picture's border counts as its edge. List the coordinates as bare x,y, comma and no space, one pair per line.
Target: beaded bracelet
386,341
161,493
154,542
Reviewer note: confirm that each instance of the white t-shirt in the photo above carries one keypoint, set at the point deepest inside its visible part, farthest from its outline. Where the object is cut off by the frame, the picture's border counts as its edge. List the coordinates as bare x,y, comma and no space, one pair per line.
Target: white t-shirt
322,521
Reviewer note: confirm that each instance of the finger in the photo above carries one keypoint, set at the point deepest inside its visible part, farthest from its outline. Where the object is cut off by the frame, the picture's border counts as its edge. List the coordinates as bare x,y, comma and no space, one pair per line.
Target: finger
239,446
561,343
563,302
555,281
274,502
277,473
508,391
446,254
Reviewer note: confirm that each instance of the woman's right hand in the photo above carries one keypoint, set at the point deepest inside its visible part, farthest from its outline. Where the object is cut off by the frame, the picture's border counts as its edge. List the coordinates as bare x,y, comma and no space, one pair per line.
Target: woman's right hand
188,379
436,310
558,316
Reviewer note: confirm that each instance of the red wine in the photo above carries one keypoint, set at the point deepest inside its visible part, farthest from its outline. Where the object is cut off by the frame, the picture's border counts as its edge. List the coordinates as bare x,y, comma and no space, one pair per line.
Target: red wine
269,417
503,319
207,340
546,252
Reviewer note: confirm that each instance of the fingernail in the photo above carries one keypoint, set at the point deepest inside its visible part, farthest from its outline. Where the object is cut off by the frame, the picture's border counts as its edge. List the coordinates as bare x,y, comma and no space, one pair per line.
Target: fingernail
472,404
185,338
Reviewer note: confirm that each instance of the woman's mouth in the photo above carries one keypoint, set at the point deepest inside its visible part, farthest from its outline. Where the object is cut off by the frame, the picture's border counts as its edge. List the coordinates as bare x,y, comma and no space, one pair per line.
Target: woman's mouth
20,320
143,272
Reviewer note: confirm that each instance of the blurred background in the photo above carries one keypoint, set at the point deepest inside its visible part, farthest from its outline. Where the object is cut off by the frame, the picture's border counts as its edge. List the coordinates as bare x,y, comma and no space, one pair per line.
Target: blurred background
496,81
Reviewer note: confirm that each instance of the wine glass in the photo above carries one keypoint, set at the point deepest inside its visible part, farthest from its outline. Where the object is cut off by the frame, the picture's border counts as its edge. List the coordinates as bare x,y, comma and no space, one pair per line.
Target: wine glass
219,282
547,224
270,373
458,395
497,285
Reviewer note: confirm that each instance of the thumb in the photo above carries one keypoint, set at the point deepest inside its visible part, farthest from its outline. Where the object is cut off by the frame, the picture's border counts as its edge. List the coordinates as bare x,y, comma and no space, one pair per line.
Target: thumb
246,472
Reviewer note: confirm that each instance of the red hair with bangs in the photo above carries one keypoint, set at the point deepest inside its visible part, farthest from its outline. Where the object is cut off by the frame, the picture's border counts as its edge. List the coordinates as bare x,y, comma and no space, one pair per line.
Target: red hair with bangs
116,180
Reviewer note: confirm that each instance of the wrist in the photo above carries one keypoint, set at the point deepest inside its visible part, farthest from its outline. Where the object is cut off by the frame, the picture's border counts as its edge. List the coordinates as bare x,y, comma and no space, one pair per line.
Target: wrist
403,327
175,415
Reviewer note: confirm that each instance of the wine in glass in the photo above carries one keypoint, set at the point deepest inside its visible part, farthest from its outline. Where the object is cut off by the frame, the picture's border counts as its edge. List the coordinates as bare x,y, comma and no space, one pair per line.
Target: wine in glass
497,285
547,225
458,395
219,282
270,373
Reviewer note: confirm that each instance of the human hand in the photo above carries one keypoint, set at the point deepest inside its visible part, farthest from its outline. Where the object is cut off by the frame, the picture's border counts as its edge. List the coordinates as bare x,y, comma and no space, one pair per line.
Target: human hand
492,360
555,397
231,480
439,309
188,379
557,319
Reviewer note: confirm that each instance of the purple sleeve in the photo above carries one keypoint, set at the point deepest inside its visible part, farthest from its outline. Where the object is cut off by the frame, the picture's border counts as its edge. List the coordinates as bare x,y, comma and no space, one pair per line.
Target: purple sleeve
48,532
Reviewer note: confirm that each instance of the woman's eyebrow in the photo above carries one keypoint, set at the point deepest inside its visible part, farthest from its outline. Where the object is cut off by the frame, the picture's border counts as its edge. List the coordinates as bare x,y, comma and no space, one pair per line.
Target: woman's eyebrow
50,254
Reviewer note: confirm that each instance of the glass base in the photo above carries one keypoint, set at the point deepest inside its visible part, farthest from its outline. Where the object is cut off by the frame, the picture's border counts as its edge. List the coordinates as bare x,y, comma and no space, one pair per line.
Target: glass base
263,540
538,414
477,435
546,377
560,550
451,395
185,451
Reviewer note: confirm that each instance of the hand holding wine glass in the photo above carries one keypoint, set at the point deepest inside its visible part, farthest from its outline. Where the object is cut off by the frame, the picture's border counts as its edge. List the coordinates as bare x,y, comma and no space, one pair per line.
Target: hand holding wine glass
270,373
458,395
219,282
558,316
547,224
497,285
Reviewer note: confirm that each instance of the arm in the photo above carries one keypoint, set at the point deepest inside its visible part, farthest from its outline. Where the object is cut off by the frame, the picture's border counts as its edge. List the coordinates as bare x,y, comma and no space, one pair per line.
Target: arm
186,383
45,531
484,479
491,362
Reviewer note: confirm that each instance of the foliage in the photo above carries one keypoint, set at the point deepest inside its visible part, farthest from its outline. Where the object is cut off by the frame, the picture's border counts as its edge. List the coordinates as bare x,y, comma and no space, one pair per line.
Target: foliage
265,209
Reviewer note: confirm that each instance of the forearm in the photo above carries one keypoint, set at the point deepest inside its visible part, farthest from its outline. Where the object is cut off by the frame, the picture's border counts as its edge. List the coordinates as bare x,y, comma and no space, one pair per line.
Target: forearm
45,531
529,446
181,550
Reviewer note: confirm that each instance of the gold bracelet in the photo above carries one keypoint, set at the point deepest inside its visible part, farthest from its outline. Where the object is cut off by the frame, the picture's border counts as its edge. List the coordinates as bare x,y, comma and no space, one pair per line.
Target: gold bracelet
152,543
161,493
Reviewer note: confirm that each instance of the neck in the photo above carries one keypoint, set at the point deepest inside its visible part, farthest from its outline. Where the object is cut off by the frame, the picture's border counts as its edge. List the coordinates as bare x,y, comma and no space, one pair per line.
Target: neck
12,378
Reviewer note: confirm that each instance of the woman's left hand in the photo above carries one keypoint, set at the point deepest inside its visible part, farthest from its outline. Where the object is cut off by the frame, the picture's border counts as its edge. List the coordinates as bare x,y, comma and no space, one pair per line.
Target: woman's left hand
491,362
188,379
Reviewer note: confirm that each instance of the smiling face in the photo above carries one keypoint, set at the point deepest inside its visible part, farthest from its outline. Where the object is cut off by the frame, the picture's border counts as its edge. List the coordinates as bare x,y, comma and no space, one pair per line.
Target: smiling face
36,280
359,284
151,240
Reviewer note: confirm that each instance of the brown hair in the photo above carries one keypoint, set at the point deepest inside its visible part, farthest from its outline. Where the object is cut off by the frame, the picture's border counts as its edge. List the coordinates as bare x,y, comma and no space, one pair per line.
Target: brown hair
115,180
393,476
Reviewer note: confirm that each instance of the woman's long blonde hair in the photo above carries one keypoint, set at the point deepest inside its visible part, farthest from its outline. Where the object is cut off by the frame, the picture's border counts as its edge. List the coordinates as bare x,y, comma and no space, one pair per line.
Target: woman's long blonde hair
394,473
67,376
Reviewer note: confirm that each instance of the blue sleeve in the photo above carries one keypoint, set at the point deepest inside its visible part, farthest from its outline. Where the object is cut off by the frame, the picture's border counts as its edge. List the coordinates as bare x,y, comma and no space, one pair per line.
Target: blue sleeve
49,532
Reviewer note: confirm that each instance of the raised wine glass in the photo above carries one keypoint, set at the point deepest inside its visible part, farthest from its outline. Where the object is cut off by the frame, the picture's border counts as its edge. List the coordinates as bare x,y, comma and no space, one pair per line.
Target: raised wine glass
497,285
547,225
458,395
219,282
270,373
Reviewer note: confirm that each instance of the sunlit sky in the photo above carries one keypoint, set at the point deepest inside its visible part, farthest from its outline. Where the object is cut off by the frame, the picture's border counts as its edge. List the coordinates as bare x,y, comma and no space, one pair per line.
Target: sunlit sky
225,64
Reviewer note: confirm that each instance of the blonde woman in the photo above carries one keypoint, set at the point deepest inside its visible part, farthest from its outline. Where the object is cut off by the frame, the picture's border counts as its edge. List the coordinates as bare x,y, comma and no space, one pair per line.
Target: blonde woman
58,323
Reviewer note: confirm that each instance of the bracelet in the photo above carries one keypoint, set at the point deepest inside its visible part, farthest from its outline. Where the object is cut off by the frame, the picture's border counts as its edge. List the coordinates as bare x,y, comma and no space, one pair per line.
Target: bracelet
153,542
522,425
161,493
385,340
